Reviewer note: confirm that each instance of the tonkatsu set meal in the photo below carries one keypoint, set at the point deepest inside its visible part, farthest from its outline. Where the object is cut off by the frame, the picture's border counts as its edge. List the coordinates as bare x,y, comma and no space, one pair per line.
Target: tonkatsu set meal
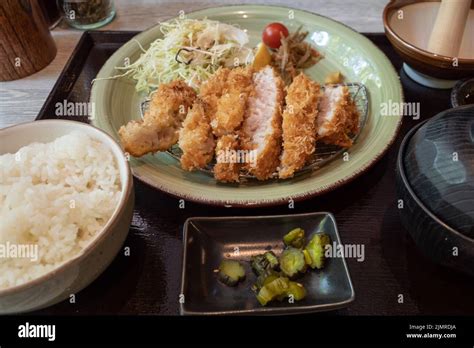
234,110
242,114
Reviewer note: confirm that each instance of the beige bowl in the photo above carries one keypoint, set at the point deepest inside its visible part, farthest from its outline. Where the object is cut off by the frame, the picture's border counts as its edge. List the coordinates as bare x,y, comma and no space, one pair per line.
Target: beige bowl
77,273
408,25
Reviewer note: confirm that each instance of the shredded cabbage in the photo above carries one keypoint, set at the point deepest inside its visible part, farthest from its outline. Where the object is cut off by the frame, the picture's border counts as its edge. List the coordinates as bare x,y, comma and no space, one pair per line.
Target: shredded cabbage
191,50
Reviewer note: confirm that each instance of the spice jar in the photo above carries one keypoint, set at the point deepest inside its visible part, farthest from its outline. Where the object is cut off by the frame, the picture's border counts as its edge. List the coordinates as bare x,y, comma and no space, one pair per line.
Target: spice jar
87,14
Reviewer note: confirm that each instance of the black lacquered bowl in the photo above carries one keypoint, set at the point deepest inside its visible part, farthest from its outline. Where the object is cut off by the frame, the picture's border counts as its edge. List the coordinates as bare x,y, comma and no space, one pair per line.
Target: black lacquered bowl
435,180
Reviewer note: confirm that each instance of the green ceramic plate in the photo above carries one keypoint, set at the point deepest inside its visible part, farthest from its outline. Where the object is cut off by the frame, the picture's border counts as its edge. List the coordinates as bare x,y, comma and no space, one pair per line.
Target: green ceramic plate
117,102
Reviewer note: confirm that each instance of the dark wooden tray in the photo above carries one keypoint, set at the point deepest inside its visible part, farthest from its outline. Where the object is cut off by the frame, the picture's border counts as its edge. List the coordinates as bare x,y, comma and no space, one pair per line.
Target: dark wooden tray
148,281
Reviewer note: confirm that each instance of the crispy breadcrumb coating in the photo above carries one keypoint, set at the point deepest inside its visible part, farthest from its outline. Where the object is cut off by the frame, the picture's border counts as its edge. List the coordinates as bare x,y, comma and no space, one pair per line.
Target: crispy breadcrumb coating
230,113
261,130
299,124
196,139
158,130
232,104
212,89
227,167
227,92
338,117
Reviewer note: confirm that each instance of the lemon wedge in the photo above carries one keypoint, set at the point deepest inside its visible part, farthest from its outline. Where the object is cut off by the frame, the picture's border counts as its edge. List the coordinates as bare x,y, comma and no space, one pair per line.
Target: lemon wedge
262,56
334,78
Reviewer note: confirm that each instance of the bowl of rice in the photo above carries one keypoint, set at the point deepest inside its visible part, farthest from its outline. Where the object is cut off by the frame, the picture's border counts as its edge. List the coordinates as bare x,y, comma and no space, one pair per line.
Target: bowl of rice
66,204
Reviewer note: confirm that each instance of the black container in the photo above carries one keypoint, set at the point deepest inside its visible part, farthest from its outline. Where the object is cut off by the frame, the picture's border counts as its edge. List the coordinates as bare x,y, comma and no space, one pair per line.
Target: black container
463,93
438,211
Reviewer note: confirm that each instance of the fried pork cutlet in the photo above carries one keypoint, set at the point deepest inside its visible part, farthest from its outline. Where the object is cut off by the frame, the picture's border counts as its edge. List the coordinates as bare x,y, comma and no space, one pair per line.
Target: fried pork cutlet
159,129
212,89
261,130
338,117
233,101
196,139
227,168
229,114
227,92
299,124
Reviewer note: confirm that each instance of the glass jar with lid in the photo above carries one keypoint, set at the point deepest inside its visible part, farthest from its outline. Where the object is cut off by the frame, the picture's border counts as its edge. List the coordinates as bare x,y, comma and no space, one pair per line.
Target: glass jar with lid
87,14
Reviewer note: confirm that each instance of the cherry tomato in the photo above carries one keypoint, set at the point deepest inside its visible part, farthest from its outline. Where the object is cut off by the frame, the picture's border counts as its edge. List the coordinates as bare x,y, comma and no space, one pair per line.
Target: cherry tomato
273,33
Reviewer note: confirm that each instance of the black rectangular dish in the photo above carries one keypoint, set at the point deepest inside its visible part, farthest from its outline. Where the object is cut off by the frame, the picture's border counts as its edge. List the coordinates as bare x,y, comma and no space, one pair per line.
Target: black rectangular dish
148,280
207,241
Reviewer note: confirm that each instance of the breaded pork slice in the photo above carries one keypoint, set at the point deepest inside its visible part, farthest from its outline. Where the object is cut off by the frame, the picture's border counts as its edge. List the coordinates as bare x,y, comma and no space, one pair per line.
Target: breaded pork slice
232,104
227,120
196,139
338,117
227,167
261,130
159,129
213,88
299,124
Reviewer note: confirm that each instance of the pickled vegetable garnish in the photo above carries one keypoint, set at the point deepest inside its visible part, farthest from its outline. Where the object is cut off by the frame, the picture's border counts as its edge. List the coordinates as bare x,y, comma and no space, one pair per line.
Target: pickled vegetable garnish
276,275
315,250
292,262
231,272
264,279
273,290
296,290
295,238
264,262
279,288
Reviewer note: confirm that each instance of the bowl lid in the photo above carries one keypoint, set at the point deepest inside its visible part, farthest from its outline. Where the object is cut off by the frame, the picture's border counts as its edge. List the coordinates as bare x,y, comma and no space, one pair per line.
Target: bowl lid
463,93
439,166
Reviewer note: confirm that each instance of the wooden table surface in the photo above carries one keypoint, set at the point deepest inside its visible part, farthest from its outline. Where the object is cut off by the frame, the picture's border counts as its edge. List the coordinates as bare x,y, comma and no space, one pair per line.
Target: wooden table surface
21,100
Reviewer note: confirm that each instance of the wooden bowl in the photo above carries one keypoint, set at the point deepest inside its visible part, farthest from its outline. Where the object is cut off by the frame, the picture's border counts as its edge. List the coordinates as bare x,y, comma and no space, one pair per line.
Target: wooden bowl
408,25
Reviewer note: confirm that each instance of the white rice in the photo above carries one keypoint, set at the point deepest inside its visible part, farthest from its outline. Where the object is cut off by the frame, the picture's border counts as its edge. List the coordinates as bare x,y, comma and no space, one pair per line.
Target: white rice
55,196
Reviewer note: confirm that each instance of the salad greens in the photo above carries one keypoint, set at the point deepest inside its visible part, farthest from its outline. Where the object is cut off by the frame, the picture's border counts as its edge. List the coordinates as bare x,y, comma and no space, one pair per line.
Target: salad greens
191,50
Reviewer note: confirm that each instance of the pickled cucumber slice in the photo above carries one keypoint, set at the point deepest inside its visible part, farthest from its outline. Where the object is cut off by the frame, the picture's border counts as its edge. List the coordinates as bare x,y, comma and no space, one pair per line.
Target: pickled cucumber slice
292,262
231,272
